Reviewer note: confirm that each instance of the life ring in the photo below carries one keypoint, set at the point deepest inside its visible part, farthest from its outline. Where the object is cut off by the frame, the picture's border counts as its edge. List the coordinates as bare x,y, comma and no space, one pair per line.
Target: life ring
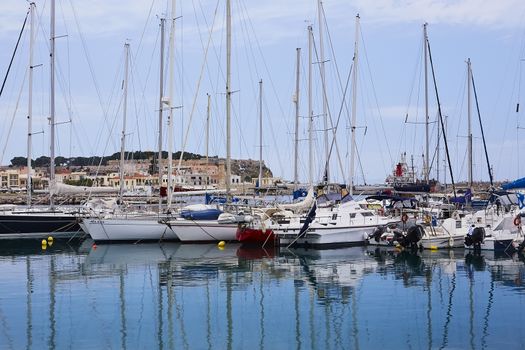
404,218
517,220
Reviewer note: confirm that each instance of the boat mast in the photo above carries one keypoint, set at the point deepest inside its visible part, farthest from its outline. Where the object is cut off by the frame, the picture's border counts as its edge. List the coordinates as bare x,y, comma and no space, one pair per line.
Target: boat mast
469,129
425,45
52,107
30,103
482,132
354,102
123,136
161,93
208,113
296,141
310,113
260,134
228,99
170,104
323,84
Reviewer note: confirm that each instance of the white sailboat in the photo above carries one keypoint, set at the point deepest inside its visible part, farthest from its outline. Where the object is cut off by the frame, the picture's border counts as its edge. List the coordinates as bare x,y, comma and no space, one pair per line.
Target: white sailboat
130,226
343,223
33,222
214,230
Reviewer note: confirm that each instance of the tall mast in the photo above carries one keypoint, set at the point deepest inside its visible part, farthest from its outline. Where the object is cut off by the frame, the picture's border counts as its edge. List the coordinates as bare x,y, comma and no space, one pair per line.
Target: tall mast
323,84
296,140
469,129
208,113
161,93
123,136
30,103
260,133
310,113
52,106
425,46
438,153
170,103
228,98
354,102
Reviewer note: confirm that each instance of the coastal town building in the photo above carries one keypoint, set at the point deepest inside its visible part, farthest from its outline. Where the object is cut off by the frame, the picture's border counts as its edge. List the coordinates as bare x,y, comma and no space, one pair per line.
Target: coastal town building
191,174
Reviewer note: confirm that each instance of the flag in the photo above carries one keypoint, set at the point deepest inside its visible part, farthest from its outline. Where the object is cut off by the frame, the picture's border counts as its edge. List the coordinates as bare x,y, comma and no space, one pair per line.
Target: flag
309,218
521,199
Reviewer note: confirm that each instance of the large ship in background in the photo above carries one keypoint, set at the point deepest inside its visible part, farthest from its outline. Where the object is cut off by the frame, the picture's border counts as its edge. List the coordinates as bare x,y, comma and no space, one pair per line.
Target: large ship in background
404,179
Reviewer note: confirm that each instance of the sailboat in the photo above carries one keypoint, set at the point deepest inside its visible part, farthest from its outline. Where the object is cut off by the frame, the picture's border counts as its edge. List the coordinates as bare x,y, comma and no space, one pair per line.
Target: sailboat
34,222
225,227
339,222
133,226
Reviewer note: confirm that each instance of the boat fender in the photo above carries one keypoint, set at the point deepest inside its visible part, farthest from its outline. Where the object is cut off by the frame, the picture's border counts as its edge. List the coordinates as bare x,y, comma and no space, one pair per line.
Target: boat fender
517,220
404,218
451,242
427,219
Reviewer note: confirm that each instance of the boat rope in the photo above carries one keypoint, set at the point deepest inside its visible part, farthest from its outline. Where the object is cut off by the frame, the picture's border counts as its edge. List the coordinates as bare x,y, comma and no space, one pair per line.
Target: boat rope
376,100
196,95
13,117
482,133
14,53
329,116
441,120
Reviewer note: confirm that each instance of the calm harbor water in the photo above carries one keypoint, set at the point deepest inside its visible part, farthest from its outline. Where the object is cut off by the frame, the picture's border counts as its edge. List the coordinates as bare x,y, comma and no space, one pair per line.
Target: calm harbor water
174,296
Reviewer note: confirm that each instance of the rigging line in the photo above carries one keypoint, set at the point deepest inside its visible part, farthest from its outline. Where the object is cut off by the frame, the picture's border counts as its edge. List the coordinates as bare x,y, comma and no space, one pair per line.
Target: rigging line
482,133
338,74
441,119
197,91
340,114
105,109
375,96
334,130
132,80
264,63
214,82
146,24
14,53
13,117
142,109
121,101
417,68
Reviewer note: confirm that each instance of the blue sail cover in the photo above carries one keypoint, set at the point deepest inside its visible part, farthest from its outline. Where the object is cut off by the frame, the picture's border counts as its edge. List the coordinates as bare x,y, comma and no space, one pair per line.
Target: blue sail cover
519,183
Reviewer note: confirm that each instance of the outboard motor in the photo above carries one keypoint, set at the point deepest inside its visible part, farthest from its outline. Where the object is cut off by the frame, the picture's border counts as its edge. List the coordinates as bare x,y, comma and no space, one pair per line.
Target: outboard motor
476,238
413,236
376,235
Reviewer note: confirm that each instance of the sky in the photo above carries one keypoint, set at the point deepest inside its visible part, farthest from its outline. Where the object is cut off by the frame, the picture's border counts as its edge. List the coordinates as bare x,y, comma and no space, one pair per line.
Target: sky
265,34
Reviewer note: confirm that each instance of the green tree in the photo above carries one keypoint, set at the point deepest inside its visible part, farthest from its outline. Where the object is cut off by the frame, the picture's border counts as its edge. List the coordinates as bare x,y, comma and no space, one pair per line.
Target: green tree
19,161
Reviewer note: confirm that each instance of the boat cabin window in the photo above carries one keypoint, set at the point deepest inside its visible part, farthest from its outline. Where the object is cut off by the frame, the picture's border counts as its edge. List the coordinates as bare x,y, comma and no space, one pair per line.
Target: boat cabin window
352,215
367,213
458,223
334,216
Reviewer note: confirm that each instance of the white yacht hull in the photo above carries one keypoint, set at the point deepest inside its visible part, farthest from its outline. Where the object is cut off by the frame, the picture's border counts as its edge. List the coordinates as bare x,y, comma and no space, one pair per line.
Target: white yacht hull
501,241
202,230
325,236
440,241
130,229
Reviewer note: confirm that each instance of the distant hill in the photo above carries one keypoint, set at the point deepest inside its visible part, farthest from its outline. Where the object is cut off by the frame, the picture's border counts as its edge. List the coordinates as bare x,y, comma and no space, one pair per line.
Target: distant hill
246,168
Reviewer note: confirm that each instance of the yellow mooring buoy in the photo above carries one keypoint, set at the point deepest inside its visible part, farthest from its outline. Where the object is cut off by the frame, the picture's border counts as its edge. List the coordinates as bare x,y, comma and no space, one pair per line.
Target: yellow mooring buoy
44,244
50,240
221,244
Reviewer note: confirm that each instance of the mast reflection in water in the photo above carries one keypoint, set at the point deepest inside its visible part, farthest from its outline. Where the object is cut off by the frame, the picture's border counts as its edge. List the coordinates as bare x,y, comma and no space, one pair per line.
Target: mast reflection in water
173,296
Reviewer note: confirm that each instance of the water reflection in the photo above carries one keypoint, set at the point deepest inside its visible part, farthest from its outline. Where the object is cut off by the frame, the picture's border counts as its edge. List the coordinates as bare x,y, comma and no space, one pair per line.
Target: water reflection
200,296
